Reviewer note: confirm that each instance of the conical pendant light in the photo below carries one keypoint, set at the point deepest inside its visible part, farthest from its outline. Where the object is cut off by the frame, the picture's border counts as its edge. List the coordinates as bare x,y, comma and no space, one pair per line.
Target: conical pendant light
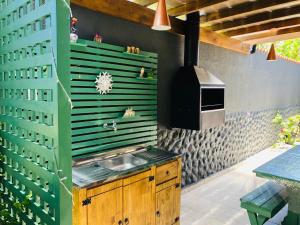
272,54
161,20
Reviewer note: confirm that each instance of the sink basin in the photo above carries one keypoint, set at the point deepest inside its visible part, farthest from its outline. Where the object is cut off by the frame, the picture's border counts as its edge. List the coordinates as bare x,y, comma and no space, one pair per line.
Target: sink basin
122,162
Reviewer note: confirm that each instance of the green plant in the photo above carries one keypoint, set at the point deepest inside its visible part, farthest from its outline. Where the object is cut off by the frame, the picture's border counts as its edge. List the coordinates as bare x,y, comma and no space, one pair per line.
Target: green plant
18,206
289,128
151,73
288,48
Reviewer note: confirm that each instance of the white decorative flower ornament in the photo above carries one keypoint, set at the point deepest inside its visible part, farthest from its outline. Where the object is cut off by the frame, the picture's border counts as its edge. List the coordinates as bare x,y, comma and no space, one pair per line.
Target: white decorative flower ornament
104,83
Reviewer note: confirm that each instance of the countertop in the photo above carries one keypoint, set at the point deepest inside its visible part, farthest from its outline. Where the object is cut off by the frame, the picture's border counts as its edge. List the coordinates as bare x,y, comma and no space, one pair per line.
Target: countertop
90,175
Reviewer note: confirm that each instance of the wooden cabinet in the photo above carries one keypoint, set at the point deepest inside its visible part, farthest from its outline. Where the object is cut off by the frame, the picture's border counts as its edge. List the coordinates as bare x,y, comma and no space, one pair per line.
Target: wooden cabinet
138,204
105,208
165,206
135,200
168,192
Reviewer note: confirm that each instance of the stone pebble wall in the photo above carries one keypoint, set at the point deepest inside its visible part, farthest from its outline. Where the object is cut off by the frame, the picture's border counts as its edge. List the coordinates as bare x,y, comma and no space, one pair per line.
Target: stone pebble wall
207,152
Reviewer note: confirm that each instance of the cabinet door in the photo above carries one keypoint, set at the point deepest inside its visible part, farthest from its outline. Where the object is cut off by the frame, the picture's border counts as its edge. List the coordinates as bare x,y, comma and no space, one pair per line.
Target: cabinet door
139,203
166,204
106,208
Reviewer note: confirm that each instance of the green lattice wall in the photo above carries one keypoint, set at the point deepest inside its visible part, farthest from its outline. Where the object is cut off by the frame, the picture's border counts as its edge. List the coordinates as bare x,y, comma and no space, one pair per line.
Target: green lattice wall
34,109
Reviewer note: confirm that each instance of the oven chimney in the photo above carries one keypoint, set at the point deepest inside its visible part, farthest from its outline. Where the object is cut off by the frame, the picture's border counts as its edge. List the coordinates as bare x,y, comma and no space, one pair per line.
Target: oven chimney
191,39
197,95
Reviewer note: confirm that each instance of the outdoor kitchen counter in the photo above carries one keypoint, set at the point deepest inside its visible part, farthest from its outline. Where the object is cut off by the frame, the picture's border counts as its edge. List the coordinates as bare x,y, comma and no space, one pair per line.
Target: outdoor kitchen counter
91,174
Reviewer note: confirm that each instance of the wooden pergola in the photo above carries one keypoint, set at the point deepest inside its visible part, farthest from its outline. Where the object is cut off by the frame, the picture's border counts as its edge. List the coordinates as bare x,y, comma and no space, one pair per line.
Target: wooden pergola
231,24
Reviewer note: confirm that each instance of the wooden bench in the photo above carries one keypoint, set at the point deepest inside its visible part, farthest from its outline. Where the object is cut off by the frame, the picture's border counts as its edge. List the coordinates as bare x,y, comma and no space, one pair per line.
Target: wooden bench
264,202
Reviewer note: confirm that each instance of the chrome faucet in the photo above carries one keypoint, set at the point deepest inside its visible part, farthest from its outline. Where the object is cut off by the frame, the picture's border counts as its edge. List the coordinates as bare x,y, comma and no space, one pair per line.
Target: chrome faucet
112,126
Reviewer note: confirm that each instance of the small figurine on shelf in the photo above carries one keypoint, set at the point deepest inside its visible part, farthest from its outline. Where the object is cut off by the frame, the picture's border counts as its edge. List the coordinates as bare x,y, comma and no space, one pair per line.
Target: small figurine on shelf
129,113
142,73
132,49
98,38
73,35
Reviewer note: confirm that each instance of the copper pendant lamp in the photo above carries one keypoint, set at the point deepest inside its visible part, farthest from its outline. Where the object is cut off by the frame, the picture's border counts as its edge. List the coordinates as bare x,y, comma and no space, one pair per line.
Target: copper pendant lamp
272,54
161,20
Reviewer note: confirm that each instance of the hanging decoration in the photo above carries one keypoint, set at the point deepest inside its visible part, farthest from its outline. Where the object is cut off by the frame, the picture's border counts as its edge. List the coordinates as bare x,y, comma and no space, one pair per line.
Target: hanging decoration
98,38
104,83
161,20
73,35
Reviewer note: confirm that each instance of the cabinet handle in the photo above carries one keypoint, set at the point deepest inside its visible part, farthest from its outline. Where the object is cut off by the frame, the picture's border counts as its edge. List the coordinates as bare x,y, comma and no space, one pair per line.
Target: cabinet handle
126,221
168,173
158,214
120,222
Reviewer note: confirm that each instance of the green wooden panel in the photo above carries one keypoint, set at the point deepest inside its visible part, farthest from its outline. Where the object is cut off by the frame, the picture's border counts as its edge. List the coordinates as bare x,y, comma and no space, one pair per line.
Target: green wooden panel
26,63
34,111
88,44
92,57
116,85
82,90
98,128
137,141
109,115
39,37
92,110
111,133
86,70
117,120
112,97
122,137
43,11
37,211
111,109
116,79
40,106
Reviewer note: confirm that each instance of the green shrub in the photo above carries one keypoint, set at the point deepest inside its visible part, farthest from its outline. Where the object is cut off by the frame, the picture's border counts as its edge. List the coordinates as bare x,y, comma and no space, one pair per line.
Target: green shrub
289,129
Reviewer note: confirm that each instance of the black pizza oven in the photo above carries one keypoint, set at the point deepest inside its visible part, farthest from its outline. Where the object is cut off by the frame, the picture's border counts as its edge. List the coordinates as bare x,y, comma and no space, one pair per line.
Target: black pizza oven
197,95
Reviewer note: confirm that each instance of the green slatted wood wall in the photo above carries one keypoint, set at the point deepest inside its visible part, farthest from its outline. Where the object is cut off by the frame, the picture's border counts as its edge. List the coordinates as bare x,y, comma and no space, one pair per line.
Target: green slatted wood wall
34,110
91,110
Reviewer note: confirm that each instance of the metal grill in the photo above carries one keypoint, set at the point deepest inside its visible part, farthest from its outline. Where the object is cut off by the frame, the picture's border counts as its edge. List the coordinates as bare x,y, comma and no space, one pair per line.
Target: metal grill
32,63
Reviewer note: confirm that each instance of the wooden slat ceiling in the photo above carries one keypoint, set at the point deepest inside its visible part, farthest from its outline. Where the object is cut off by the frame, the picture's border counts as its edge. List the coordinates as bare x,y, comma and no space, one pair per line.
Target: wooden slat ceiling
250,21
230,24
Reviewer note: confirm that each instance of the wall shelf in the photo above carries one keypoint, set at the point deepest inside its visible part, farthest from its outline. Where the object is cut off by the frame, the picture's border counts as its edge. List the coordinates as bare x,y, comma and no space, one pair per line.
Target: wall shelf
146,78
92,110
137,55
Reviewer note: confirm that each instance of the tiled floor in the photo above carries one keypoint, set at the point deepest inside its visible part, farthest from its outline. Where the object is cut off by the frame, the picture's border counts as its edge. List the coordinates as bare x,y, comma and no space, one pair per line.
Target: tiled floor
215,201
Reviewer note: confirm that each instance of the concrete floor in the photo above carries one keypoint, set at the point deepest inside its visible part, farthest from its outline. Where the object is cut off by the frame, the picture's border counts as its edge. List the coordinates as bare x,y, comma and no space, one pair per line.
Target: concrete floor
215,201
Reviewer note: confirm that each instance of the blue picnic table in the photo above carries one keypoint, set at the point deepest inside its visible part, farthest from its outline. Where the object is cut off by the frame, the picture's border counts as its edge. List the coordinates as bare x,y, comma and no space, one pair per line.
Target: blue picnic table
285,169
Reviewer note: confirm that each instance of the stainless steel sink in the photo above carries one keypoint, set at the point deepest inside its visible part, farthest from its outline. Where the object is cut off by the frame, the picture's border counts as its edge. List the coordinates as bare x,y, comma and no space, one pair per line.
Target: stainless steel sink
122,162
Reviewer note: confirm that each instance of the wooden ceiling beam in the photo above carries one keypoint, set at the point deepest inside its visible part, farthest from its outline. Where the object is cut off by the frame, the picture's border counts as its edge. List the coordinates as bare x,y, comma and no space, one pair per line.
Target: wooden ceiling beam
245,9
129,11
272,36
144,2
211,37
257,19
264,27
194,6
